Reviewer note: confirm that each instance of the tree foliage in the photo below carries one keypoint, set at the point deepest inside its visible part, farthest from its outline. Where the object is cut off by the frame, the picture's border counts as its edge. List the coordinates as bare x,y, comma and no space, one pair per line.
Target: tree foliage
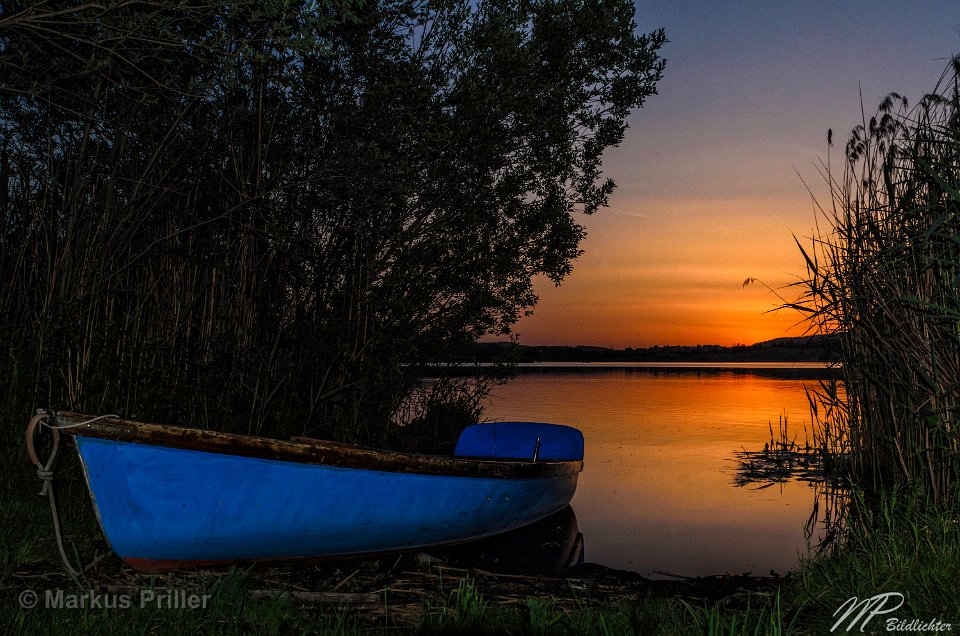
267,212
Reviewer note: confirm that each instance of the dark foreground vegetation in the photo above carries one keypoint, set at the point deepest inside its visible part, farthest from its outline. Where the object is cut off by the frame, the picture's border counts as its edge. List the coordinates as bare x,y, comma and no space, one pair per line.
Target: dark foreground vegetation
263,216
885,277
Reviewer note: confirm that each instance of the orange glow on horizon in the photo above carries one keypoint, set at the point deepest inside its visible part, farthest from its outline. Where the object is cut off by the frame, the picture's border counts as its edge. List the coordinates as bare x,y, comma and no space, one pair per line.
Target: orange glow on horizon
713,174
671,273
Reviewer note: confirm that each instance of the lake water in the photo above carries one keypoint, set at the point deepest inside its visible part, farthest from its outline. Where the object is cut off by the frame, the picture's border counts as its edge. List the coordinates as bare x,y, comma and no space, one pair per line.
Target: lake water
657,494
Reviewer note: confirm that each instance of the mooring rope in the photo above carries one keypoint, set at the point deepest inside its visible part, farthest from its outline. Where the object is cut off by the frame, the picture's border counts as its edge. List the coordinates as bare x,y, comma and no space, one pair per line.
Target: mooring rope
45,473
75,424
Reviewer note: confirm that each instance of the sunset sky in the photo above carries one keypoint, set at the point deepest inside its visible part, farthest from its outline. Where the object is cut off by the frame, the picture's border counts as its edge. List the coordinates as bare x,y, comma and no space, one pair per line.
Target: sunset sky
710,175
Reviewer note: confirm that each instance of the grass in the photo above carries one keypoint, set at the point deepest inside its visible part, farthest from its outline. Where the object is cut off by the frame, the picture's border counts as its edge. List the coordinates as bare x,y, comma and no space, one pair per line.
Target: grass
768,619
900,544
227,612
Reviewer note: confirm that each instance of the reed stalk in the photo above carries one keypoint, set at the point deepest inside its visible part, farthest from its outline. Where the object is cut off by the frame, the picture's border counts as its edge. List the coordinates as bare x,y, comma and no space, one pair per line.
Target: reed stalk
885,276
268,217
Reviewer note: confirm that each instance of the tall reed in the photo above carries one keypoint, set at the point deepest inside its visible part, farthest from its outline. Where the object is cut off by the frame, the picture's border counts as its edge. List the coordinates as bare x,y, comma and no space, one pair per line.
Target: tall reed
885,276
270,216
178,241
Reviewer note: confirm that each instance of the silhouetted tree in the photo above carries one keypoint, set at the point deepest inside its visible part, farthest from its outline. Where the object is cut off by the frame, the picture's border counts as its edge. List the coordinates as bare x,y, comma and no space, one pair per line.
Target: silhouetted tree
271,212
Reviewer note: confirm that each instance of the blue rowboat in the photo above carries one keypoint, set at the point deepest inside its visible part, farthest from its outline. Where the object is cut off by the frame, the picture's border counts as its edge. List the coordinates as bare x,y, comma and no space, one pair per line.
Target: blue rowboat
170,498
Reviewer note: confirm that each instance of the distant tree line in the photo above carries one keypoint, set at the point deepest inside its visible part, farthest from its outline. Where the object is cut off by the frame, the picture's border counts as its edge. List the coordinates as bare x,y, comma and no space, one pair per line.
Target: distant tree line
801,349
260,214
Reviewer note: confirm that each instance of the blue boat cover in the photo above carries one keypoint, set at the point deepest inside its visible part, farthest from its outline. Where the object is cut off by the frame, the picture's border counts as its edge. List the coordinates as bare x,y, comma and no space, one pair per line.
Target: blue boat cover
519,440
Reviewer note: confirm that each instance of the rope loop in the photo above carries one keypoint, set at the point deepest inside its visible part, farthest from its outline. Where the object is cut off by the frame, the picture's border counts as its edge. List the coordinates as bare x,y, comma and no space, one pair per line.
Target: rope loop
45,473
42,417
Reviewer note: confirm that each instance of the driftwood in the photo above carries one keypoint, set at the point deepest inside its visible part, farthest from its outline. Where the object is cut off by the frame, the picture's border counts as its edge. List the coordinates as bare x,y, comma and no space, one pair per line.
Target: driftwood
309,600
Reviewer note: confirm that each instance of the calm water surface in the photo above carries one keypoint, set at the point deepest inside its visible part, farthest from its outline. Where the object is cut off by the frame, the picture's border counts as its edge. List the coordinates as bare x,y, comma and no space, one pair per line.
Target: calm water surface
657,492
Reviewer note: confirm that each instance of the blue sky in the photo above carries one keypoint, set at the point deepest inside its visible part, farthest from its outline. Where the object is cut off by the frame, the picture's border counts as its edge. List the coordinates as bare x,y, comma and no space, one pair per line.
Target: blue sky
711,173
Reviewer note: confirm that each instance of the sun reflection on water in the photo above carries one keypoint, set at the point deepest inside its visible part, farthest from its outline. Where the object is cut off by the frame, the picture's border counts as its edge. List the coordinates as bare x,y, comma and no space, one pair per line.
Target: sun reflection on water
658,490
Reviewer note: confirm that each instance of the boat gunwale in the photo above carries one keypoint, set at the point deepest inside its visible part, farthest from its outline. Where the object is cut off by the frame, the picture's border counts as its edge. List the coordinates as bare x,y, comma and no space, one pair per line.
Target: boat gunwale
309,451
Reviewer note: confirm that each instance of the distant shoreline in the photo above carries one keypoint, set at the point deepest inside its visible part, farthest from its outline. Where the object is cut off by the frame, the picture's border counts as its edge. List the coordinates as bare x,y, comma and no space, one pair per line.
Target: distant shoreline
815,349
795,364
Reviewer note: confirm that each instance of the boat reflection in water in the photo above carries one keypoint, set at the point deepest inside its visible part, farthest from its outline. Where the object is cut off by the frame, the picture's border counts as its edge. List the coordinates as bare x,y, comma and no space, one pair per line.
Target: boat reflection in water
549,546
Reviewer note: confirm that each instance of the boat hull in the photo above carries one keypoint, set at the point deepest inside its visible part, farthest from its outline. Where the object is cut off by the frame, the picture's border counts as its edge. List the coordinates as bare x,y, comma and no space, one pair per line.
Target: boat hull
165,508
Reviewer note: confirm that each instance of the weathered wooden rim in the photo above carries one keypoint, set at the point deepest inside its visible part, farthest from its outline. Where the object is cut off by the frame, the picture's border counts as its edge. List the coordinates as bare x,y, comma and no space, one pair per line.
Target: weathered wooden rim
309,451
